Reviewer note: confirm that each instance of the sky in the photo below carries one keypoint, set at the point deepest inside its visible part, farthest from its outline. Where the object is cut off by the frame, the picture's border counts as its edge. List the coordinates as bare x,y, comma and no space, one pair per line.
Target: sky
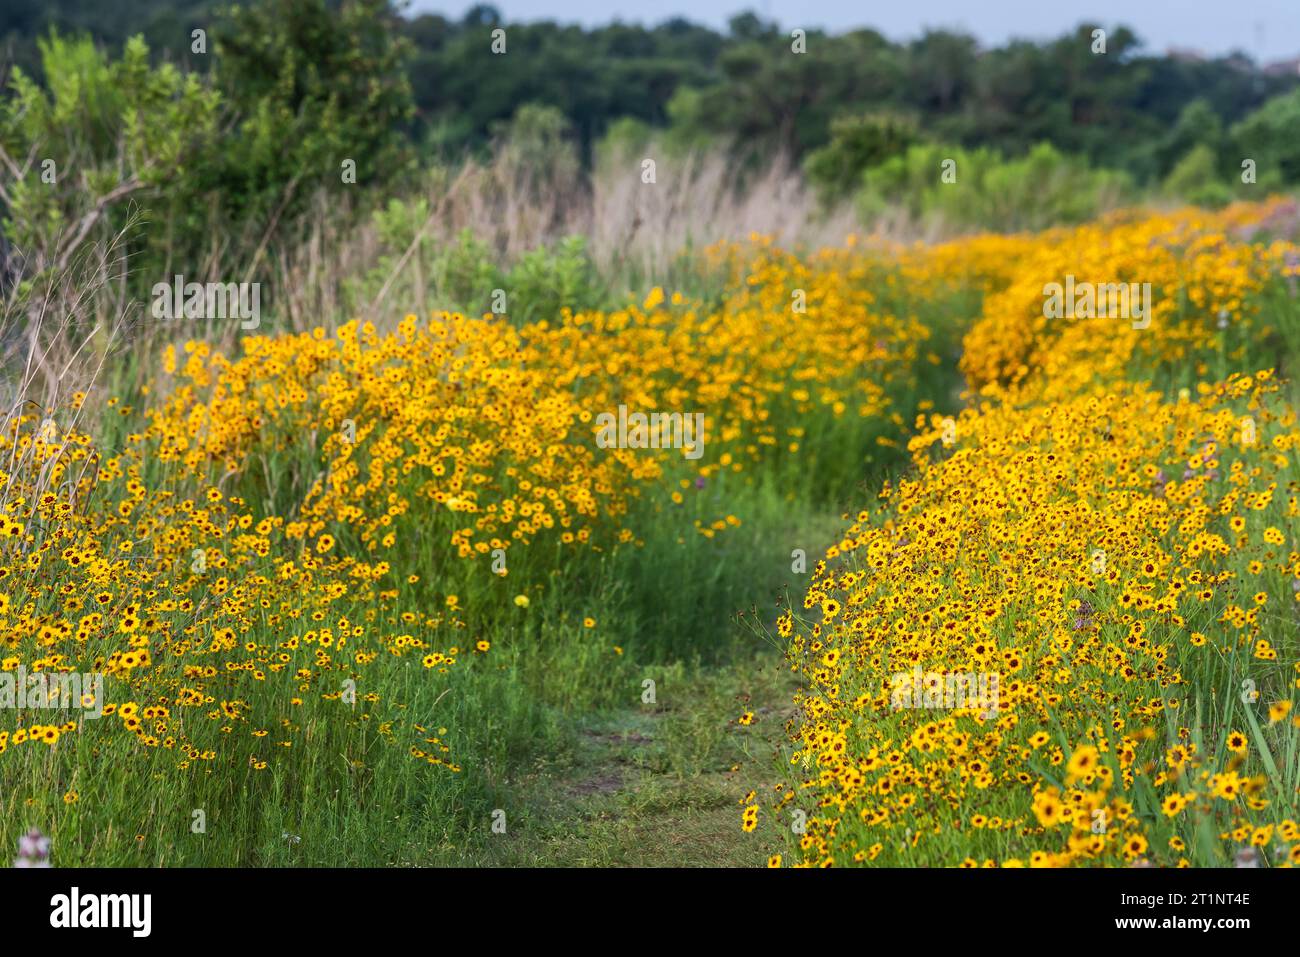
1266,29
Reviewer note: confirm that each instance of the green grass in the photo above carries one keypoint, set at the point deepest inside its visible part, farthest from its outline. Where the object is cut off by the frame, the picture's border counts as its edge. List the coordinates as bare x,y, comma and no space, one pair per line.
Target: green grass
651,786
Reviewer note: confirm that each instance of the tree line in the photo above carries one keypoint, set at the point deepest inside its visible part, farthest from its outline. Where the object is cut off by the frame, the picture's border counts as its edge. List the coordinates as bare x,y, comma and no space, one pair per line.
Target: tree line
1125,108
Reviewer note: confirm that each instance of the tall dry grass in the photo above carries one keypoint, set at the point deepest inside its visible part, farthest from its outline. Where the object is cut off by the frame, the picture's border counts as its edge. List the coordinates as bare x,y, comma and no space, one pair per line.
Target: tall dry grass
636,231
60,327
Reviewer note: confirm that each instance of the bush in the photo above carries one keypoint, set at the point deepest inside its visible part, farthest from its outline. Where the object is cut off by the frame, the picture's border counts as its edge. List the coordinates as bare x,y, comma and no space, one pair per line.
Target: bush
858,143
1268,136
312,86
1196,179
982,189
305,84
546,281
100,134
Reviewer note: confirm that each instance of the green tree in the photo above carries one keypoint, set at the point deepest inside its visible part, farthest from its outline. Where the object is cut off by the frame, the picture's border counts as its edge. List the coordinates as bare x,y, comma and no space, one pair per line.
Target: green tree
857,143
311,87
1269,137
1196,178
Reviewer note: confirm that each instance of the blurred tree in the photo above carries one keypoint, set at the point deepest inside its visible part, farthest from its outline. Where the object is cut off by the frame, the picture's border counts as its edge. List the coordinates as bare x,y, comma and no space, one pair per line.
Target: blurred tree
745,86
941,70
311,88
857,144
1269,137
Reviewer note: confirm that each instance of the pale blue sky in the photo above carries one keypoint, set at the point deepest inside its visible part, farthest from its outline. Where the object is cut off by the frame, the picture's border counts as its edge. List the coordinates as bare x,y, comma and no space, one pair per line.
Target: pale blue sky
1266,29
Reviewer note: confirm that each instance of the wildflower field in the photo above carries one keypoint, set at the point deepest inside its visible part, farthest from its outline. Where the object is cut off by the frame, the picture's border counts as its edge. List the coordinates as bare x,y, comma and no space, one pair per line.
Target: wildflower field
344,588
1107,526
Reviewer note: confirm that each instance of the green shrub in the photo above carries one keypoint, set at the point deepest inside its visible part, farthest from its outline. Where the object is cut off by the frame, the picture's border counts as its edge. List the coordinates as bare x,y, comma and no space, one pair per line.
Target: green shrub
981,189
536,150
211,163
96,137
1268,136
1197,179
312,85
465,274
545,281
858,143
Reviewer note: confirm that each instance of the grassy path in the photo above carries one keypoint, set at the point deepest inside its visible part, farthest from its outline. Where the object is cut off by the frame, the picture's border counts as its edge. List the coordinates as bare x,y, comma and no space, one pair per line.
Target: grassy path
663,785
659,786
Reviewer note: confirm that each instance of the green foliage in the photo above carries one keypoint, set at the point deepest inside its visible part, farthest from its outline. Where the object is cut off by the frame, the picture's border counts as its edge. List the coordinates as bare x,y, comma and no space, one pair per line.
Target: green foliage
625,138
463,275
1198,125
1196,179
1116,110
594,76
988,191
768,98
857,144
311,88
309,78
628,138
123,129
546,281
466,273
209,160
1268,136
460,275
165,25
535,148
